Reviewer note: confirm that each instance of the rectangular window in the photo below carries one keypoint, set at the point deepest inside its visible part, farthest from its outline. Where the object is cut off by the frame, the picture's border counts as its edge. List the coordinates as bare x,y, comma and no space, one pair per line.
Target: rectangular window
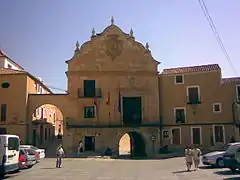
193,94
9,66
179,79
179,114
3,112
89,112
89,88
13,143
219,134
217,107
238,92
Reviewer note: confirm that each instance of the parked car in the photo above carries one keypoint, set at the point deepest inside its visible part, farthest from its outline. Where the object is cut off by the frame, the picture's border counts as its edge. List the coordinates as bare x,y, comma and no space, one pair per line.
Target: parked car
31,157
232,158
22,159
216,158
40,151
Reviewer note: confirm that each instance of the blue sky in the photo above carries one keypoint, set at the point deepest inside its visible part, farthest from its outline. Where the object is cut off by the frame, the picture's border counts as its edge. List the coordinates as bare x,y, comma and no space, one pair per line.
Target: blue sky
41,35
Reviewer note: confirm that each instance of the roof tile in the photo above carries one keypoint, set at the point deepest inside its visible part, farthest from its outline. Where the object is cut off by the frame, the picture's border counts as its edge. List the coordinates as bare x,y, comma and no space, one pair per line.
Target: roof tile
232,80
190,69
10,71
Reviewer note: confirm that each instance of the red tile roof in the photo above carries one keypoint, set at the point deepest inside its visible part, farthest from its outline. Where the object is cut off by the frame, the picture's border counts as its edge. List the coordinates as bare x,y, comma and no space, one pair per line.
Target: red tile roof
232,80
10,71
7,71
190,69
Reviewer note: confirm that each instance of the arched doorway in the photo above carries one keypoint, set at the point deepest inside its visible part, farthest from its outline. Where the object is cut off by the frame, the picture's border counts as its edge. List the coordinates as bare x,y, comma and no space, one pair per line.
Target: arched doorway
47,122
132,144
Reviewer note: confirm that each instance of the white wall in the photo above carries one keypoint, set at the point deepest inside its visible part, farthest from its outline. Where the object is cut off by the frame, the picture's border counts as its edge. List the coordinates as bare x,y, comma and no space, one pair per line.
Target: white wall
7,63
4,63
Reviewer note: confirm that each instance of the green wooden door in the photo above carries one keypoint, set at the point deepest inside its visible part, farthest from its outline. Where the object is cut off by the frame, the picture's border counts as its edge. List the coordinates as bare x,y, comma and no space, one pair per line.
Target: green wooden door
89,88
132,110
34,133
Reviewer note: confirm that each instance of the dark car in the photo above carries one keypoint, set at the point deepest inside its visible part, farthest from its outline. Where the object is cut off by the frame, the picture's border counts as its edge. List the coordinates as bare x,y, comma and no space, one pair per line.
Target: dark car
232,158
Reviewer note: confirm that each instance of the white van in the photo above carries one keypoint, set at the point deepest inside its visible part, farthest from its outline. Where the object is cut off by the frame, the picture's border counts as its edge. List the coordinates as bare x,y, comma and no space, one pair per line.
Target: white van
9,153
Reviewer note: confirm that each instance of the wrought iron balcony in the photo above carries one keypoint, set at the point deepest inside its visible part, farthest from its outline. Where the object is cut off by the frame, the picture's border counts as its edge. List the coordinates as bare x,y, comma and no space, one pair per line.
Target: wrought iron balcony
93,93
194,100
180,120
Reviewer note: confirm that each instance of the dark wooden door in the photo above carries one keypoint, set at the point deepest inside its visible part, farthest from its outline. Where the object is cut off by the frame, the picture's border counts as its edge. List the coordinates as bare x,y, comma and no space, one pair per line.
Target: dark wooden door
89,143
132,110
176,136
196,135
3,131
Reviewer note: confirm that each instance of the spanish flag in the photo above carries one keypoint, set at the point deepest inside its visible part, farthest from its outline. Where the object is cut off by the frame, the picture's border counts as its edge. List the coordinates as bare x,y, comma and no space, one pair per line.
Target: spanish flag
108,99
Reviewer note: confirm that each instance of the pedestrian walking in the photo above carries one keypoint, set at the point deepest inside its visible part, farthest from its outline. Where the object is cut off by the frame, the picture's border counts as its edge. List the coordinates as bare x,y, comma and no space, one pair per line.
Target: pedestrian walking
60,155
188,157
196,156
80,147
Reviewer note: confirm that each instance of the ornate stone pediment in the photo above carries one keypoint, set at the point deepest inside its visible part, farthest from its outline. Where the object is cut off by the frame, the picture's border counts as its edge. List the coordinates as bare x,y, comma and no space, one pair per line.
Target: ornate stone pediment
114,46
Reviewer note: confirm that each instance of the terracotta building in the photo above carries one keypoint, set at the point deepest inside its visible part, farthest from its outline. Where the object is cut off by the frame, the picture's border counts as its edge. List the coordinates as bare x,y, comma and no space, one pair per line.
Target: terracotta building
114,88
13,103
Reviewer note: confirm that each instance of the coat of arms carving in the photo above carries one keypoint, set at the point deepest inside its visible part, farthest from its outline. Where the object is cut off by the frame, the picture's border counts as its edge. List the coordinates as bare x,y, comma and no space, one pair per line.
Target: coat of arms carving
114,46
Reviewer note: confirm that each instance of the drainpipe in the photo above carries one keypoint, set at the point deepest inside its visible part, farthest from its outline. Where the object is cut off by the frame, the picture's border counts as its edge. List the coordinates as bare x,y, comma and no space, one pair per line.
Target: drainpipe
233,112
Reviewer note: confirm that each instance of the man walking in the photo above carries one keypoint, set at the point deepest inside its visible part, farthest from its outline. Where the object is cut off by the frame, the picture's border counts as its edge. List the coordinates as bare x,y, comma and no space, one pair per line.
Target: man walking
60,154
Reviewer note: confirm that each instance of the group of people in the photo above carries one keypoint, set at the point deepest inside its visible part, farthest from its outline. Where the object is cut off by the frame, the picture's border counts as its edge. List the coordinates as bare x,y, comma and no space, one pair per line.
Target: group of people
192,155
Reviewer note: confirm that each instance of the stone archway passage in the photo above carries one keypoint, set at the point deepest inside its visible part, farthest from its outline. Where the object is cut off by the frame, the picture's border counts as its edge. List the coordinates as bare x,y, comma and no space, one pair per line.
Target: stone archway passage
132,145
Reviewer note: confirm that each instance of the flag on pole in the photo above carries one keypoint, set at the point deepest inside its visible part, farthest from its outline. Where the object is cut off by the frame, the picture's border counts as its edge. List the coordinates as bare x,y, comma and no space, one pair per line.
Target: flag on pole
96,107
119,102
108,99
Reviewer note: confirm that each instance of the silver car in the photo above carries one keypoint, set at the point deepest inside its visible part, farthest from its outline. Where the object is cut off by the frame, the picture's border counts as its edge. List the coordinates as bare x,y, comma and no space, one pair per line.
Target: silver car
216,158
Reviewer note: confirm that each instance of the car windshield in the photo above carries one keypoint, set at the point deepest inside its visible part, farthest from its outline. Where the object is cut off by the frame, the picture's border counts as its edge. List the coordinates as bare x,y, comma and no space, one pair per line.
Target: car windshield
31,151
232,149
224,148
33,147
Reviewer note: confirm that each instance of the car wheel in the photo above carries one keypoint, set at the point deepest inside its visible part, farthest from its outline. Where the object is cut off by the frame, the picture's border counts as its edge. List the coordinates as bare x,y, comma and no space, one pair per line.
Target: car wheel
220,163
233,170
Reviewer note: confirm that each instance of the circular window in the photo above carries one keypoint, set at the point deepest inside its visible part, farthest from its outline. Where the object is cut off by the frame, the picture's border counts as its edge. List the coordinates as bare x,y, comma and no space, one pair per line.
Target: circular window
5,85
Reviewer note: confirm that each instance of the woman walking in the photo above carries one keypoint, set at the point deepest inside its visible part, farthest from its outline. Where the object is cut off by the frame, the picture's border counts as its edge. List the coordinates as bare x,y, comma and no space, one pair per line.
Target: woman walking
188,157
60,155
196,157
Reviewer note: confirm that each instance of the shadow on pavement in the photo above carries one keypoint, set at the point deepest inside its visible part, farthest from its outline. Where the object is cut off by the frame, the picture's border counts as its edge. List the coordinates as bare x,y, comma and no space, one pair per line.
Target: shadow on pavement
183,171
226,172
232,178
49,168
208,167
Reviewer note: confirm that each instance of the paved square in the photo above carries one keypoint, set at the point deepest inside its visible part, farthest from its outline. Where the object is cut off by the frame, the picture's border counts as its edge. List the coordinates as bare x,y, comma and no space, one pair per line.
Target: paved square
104,169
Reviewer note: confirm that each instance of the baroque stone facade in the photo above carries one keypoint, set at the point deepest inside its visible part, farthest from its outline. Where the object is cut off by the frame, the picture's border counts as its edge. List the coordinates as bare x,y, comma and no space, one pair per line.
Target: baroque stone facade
114,88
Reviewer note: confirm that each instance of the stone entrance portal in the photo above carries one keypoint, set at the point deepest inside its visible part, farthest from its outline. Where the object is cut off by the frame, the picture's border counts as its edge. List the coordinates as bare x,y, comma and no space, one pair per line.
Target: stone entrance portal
132,145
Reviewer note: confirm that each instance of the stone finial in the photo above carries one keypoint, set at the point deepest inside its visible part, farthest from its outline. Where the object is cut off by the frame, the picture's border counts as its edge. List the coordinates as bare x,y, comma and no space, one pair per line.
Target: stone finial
77,46
93,32
112,21
131,32
147,46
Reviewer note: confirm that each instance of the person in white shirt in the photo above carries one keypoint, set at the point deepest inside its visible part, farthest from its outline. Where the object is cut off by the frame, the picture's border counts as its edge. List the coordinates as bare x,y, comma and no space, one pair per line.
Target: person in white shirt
80,147
188,157
196,156
60,155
